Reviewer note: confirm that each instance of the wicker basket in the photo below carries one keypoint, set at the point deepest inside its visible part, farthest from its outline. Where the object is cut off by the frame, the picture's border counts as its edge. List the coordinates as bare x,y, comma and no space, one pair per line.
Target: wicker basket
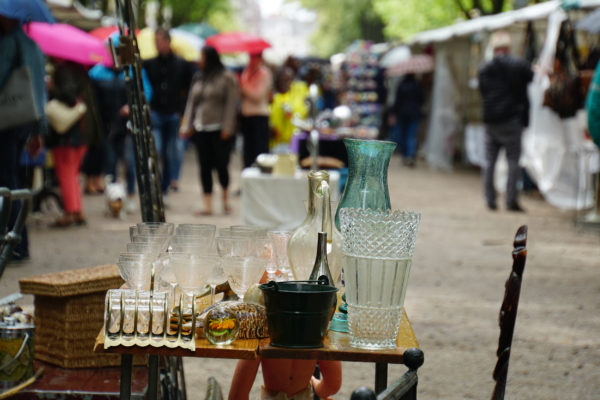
69,313
73,282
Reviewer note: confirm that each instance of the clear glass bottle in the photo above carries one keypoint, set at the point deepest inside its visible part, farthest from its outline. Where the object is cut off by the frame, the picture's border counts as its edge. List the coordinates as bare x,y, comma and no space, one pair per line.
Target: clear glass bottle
321,267
302,245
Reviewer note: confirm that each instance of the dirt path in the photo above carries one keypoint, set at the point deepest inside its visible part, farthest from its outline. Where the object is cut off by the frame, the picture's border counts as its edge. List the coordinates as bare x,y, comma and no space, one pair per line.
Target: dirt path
461,262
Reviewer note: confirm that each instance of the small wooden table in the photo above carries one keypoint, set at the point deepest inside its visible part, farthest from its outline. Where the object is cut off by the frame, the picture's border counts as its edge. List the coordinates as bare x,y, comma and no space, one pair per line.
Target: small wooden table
336,347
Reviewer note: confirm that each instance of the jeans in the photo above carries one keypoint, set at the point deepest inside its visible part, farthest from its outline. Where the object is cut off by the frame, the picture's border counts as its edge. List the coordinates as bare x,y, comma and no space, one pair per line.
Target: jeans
505,135
165,128
404,133
180,146
120,147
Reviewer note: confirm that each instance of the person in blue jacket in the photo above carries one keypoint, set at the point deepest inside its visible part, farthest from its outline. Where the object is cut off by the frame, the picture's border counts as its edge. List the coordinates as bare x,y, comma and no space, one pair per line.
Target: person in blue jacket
111,93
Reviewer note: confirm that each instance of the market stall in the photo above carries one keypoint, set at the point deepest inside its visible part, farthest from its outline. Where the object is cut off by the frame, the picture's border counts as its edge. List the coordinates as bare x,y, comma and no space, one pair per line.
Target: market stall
556,153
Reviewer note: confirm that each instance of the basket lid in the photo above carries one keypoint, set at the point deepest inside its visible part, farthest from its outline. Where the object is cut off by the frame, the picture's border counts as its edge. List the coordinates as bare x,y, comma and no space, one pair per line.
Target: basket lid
73,282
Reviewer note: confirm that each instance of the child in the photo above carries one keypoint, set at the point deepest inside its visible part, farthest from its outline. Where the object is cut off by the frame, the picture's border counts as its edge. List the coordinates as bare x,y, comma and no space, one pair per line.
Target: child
286,379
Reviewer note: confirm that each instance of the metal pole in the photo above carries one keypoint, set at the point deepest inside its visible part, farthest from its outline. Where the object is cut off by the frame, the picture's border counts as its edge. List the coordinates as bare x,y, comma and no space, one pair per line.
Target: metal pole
127,57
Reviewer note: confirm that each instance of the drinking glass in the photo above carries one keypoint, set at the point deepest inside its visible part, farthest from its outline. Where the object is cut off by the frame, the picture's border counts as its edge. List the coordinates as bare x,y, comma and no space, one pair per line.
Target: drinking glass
160,240
165,280
377,252
246,230
233,246
224,232
192,271
279,241
216,277
202,234
188,248
205,230
242,272
192,240
136,270
153,250
156,228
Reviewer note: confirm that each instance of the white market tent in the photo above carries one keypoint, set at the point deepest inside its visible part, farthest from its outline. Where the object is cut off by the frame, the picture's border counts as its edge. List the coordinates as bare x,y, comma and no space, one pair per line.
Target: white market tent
486,23
555,152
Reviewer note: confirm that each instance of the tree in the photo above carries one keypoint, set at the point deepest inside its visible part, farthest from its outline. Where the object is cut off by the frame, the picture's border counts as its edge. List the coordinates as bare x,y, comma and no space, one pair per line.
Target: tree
196,10
343,21
404,19
480,7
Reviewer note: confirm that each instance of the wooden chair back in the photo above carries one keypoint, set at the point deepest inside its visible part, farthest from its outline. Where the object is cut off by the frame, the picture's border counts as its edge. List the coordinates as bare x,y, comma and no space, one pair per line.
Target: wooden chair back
508,312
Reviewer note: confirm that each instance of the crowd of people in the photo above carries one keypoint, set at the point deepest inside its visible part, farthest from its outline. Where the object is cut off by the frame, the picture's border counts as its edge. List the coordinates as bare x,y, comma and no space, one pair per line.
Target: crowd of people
83,124
207,105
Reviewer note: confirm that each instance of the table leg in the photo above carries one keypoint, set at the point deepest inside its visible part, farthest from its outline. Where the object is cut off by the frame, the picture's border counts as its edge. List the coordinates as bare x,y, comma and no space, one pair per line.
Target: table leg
153,377
381,372
125,383
181,390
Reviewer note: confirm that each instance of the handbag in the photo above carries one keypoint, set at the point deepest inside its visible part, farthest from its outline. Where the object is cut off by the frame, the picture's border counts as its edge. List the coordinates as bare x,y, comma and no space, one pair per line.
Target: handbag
17,102
564,96
61,117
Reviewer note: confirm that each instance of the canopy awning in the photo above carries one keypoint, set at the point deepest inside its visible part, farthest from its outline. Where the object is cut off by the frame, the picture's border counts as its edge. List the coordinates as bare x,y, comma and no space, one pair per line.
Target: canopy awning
494,22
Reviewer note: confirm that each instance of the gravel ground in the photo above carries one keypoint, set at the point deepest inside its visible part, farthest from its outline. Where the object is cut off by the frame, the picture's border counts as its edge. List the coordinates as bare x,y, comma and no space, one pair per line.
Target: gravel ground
462,259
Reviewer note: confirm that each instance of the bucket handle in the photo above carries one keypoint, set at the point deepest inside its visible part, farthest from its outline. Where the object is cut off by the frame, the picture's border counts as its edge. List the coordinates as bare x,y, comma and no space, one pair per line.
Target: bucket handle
18,353
322,280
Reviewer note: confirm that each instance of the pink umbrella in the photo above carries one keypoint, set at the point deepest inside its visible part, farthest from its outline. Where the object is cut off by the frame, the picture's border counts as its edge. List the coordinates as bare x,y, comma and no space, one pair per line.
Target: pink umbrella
104,32
69,43
233,42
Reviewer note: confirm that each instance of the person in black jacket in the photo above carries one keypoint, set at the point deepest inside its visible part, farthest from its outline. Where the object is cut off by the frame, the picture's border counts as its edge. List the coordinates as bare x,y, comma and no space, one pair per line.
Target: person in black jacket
170,77
503,86
406,117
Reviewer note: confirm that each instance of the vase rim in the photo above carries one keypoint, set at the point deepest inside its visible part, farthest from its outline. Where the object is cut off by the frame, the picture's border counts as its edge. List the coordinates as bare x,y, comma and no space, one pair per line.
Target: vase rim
356,140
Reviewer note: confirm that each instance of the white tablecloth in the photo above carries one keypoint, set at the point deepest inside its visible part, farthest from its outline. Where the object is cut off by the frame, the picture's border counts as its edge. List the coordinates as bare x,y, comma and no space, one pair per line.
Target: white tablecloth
277,202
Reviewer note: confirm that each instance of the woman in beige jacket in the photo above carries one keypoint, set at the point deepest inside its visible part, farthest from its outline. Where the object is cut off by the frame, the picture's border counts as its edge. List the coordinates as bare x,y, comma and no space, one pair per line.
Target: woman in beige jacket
209,119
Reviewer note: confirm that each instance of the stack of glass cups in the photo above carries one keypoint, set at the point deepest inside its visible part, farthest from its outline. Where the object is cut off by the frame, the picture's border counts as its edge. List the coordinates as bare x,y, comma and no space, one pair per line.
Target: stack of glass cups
191,272
192,239
152,238
130,312
246,252
377,249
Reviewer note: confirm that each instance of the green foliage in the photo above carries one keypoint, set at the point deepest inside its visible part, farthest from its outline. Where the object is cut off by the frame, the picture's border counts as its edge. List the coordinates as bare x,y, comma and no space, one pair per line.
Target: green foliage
197,10
343,21
407,17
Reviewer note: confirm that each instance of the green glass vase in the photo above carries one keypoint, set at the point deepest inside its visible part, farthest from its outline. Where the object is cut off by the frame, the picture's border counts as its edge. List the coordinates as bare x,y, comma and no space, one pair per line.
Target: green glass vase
366,187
